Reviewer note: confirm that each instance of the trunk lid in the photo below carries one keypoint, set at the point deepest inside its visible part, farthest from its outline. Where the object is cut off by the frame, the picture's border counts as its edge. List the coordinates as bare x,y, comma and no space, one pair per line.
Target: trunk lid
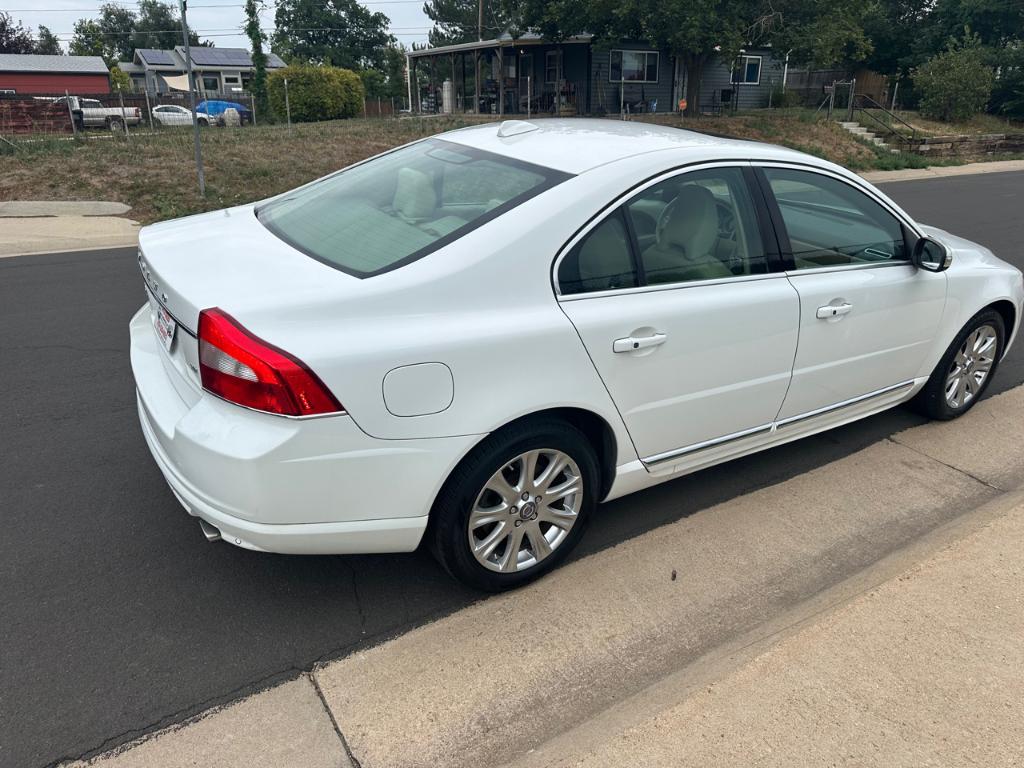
226,259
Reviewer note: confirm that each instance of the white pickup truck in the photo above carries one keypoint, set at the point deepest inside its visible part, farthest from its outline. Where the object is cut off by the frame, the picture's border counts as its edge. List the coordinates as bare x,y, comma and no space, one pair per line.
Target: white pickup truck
90,113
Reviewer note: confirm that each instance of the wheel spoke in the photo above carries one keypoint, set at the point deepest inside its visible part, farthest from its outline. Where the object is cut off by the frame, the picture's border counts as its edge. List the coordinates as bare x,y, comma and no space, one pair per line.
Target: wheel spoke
540,546
569,487
503,488
529,471
510,561
563,518
551,471
484,549
481,516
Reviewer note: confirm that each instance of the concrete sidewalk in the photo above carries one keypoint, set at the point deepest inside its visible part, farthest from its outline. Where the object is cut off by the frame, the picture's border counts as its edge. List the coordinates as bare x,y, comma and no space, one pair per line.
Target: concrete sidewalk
28,226
762,631
942,171
924,669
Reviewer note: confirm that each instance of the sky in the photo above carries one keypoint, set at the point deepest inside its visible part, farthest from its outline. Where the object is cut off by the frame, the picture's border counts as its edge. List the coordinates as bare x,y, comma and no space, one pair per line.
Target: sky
217,20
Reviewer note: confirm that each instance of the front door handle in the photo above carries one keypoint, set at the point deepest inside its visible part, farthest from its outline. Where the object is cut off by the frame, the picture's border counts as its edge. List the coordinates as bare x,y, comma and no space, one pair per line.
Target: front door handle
633,343
834,310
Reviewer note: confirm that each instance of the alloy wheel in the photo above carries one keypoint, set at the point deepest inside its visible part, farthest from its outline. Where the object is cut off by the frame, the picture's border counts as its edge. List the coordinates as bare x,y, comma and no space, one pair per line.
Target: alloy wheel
971,366
525,510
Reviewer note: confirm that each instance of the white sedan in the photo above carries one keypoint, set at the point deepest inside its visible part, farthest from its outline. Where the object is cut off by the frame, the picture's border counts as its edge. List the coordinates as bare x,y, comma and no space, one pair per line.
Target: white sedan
471,340
172,114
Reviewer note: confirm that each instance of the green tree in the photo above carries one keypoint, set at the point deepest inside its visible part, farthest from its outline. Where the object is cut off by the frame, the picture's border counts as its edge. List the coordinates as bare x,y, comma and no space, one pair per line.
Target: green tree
89,39
458,21
315,93
956,84
159,26
259,59
14,38
47,43
119,79
342,33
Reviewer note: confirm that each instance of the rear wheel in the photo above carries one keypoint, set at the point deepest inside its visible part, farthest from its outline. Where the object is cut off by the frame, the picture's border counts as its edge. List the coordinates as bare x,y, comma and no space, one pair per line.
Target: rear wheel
964,372
115,124
516,507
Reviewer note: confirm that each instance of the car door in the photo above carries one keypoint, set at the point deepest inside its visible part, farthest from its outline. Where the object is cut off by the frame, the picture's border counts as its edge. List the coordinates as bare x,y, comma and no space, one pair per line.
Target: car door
676,296
867,314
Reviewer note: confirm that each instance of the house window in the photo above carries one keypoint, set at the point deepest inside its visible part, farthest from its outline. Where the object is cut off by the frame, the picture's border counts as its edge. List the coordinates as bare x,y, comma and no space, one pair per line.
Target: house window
552,65
633,67
231,80
748,71
211,83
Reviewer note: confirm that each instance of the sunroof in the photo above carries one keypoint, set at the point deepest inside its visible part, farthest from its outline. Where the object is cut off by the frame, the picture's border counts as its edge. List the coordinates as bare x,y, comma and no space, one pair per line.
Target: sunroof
156,57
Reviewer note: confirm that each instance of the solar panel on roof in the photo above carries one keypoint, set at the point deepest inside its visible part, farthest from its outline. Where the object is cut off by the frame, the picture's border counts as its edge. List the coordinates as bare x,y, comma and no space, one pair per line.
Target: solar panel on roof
224,57
156,57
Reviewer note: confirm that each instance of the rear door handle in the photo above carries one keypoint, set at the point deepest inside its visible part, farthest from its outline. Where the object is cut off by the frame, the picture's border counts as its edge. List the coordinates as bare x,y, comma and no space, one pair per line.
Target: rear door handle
633,343
834,310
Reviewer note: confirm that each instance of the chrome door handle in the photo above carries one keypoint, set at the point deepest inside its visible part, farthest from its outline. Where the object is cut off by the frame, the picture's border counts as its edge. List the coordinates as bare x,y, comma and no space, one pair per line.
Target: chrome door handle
633,343
834,310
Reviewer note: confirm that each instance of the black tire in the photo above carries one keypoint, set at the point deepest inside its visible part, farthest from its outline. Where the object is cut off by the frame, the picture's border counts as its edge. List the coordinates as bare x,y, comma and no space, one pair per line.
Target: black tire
203,122
115,124
448,535
931,400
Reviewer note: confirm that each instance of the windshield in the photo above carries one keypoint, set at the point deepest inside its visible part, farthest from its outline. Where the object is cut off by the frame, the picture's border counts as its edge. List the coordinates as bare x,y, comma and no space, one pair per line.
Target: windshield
399,207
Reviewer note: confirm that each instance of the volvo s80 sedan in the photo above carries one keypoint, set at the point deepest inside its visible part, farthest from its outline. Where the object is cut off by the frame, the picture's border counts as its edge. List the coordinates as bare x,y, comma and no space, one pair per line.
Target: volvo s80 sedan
471,340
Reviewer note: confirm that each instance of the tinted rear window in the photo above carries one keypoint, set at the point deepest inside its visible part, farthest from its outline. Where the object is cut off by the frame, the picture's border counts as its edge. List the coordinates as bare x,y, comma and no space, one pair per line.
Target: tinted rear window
399,207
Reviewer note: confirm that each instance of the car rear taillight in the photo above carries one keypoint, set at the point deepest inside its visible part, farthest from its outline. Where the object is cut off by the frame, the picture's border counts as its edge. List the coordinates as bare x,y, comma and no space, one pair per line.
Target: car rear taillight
242,368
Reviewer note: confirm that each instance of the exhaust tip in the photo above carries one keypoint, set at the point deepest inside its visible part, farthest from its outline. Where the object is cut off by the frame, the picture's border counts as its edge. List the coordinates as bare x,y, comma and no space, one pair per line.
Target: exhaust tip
210,532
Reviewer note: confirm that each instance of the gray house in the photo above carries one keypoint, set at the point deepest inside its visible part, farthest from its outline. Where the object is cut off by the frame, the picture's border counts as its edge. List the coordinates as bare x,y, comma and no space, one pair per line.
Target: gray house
217,70
529,75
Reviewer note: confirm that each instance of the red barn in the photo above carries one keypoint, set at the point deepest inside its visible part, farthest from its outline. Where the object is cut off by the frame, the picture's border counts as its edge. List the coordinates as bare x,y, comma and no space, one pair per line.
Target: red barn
28,73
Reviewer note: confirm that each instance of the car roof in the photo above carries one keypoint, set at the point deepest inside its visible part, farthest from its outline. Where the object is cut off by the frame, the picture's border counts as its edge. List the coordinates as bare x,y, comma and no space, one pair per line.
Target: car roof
575,145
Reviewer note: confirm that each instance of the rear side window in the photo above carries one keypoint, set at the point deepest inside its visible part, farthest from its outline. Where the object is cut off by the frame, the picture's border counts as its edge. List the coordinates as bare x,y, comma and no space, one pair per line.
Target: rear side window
399,207
601,261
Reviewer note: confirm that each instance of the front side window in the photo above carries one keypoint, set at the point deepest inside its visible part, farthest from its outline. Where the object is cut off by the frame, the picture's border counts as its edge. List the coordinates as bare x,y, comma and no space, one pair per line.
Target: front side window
698,225
398,207
830,223
210,83
633,67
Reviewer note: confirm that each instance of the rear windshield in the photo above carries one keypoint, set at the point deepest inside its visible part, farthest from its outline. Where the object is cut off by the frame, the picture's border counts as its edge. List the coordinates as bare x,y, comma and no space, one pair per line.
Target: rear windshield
399,207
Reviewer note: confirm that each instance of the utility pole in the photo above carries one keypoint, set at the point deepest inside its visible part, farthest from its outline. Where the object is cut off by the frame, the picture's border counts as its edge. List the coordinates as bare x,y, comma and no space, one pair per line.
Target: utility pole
480,20
192,100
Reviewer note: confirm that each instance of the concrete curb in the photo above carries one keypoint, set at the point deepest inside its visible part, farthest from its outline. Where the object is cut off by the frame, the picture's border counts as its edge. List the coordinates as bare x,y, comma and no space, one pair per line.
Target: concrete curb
690,601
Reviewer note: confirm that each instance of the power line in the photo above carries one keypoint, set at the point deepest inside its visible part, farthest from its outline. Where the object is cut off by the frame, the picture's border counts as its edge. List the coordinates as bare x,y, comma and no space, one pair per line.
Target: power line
191,7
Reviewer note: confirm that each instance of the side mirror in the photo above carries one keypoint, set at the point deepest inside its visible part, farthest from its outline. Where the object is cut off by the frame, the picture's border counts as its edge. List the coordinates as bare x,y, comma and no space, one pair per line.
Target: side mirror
931,255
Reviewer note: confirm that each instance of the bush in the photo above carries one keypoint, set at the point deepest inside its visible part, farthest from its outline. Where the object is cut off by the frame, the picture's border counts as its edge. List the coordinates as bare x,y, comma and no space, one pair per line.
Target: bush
784,99
1008,94
955,85
315,93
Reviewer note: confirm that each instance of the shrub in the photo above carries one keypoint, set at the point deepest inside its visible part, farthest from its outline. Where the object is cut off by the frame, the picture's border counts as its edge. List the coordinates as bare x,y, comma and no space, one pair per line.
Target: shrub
954,85
1008,94
315,93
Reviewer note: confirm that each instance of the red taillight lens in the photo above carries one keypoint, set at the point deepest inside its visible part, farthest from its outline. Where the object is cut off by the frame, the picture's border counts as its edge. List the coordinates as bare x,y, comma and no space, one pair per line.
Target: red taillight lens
248,371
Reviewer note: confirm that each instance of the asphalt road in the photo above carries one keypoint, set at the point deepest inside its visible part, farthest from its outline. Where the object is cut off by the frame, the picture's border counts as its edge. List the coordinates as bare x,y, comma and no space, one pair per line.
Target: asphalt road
116,617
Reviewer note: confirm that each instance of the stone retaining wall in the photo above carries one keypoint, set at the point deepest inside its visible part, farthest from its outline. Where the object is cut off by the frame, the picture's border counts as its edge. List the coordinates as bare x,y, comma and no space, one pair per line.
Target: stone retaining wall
952,146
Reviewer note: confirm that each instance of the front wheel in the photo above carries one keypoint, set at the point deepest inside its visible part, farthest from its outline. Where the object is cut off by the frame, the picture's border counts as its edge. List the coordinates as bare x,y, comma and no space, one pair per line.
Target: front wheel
516,506
964,372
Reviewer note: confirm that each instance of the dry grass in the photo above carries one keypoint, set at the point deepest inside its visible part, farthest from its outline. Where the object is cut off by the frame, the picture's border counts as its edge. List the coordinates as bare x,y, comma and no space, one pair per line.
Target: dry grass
155,173
976,125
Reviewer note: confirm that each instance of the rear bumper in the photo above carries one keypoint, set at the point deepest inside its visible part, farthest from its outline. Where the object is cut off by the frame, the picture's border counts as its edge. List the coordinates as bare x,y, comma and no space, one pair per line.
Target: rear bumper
296,486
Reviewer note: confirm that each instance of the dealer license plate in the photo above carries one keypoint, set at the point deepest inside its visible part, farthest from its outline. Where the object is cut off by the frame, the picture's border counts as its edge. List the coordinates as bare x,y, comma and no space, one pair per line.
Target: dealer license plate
165,327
